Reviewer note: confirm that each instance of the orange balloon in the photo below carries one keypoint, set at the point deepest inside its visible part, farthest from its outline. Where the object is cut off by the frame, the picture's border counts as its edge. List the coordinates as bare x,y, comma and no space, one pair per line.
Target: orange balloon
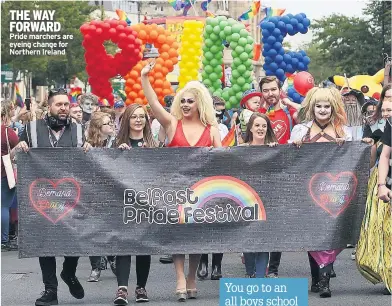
169,64
128,88
165,48
132,95
151,78
158,91
159,61
133,74
161,39
153,35
158,83
158,67
128,101
137,87
166,92
166,85
173,52
165,70
138,68
165,55
175,45
158,75
174,60
138,101
140,94
142,34
161,30
170,39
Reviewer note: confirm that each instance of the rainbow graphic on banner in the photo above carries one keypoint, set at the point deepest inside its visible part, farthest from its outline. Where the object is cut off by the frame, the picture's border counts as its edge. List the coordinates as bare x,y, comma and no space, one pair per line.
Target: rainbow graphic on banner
218,187
19,100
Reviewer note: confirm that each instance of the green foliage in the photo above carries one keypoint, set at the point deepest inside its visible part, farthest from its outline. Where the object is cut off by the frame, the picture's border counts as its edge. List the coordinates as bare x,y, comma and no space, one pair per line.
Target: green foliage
351,45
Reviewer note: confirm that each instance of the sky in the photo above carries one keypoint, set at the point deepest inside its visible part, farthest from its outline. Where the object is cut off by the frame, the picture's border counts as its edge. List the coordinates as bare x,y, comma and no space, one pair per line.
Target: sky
316,9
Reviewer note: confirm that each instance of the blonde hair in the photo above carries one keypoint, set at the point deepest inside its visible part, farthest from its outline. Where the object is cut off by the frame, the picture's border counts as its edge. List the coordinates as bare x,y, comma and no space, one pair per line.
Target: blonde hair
94,130
204,102
332,95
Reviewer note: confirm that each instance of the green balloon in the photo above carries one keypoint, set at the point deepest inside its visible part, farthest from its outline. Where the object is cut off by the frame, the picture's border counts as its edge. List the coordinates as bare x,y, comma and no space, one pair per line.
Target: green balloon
242,41
214,37
238,96
221,18
222,35
248,48
231,21
208,55
232,100
205,61
204,75
250,40
234,54
213,77
228,105
244,33
235,74
246,87
239,50
217,29
244,56
227,30
214,62
223,24
241,81
218,55
207,83
236,88
233,45
235,37
213,21
215,49
225,95
208,43
248,64
241,69
236,62
205,49
236,28
247,74
208,69
208,29
218,69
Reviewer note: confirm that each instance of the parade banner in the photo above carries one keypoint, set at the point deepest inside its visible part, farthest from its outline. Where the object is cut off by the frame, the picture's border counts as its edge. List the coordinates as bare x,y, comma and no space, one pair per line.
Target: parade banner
190,200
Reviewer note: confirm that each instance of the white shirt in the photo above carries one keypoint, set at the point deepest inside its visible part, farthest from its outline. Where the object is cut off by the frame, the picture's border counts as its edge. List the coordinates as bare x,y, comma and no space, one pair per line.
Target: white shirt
223,130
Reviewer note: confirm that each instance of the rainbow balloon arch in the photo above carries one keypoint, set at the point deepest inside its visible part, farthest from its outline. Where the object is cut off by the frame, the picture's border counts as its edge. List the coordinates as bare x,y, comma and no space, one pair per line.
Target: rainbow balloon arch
197,47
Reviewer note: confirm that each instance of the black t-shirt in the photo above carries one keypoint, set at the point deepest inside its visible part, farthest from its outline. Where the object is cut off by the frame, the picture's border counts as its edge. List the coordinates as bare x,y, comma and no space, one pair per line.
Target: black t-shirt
136,143
386,137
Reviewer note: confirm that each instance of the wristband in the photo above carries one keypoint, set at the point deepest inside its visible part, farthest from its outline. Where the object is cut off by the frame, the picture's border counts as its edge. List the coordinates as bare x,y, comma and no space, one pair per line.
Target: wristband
379,185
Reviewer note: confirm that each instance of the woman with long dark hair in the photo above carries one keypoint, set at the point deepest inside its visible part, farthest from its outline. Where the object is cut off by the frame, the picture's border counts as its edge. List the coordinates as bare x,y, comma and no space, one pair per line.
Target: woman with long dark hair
135,132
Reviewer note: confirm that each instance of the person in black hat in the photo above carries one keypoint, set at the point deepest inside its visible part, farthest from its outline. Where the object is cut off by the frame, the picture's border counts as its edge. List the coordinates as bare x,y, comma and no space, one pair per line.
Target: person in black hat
353,101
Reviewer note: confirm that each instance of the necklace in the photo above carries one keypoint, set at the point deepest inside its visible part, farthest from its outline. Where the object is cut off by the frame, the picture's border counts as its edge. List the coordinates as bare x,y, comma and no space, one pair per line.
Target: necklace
322,127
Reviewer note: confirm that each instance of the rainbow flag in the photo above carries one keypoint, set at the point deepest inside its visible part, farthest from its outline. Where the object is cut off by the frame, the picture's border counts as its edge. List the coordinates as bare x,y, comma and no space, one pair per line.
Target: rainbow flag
204,7
73,95
121,14
103,102
19,99
251,12
271,12
230,139
182,4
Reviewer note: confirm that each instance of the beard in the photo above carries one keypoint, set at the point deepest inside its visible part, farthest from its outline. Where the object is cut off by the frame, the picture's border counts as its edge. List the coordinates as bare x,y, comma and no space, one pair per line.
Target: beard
354,115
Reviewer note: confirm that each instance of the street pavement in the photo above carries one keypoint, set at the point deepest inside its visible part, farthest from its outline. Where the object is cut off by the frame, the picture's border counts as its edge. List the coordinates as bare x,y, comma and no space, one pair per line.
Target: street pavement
21,283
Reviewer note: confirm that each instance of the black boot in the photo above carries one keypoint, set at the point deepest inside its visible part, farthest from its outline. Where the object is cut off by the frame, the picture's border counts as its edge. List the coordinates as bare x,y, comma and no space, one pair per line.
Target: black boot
216,273
325,292
202,270
315,271
333,274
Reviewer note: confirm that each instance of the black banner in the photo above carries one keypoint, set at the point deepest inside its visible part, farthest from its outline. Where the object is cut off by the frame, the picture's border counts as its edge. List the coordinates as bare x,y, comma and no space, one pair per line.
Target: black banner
190,200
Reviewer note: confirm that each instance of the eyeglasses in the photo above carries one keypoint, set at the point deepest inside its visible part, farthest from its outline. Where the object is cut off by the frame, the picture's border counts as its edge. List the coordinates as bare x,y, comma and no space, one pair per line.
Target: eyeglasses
189,101
58,91
141,118
220,104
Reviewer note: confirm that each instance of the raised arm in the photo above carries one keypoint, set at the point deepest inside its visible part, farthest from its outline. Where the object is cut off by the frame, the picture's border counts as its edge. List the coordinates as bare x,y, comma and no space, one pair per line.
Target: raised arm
164,118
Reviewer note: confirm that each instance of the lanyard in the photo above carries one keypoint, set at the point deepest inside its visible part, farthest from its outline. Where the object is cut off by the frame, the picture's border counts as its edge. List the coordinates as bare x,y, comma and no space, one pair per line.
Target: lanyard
54,143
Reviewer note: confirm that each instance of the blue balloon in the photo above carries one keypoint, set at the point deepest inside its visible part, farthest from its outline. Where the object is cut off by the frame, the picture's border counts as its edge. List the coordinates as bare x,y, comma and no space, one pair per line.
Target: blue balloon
292,32
299,18
277,46
281,51
289,28
268,72
304,30
306,22
290,92
271,40
294,22
264,25
282,65
268,60
302,52
274,20
270,26
287,58
300,27
285,19
276,32
272,53
278,59
266,67
280,38
264,53
279,73
290,68
301,67
264,40
290,16
267,47
273,66
296,97
294,62
306,68
281,25
298,56
265,33
301,99
303,15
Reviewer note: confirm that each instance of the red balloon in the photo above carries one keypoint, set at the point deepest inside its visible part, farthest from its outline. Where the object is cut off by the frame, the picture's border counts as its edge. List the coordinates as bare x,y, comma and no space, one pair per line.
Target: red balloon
303,82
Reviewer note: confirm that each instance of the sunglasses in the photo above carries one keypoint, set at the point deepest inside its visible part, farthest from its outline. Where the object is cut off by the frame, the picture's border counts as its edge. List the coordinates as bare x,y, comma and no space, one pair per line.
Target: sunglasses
189,101
58,91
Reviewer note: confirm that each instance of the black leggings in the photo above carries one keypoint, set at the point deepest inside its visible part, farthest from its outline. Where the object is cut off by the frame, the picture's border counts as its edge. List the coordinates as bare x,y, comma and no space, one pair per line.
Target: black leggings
123,268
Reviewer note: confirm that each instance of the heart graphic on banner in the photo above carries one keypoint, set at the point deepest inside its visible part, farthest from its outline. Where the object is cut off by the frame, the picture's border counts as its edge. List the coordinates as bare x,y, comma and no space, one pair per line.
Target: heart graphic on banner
333,193
100,65
54,199
279,127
